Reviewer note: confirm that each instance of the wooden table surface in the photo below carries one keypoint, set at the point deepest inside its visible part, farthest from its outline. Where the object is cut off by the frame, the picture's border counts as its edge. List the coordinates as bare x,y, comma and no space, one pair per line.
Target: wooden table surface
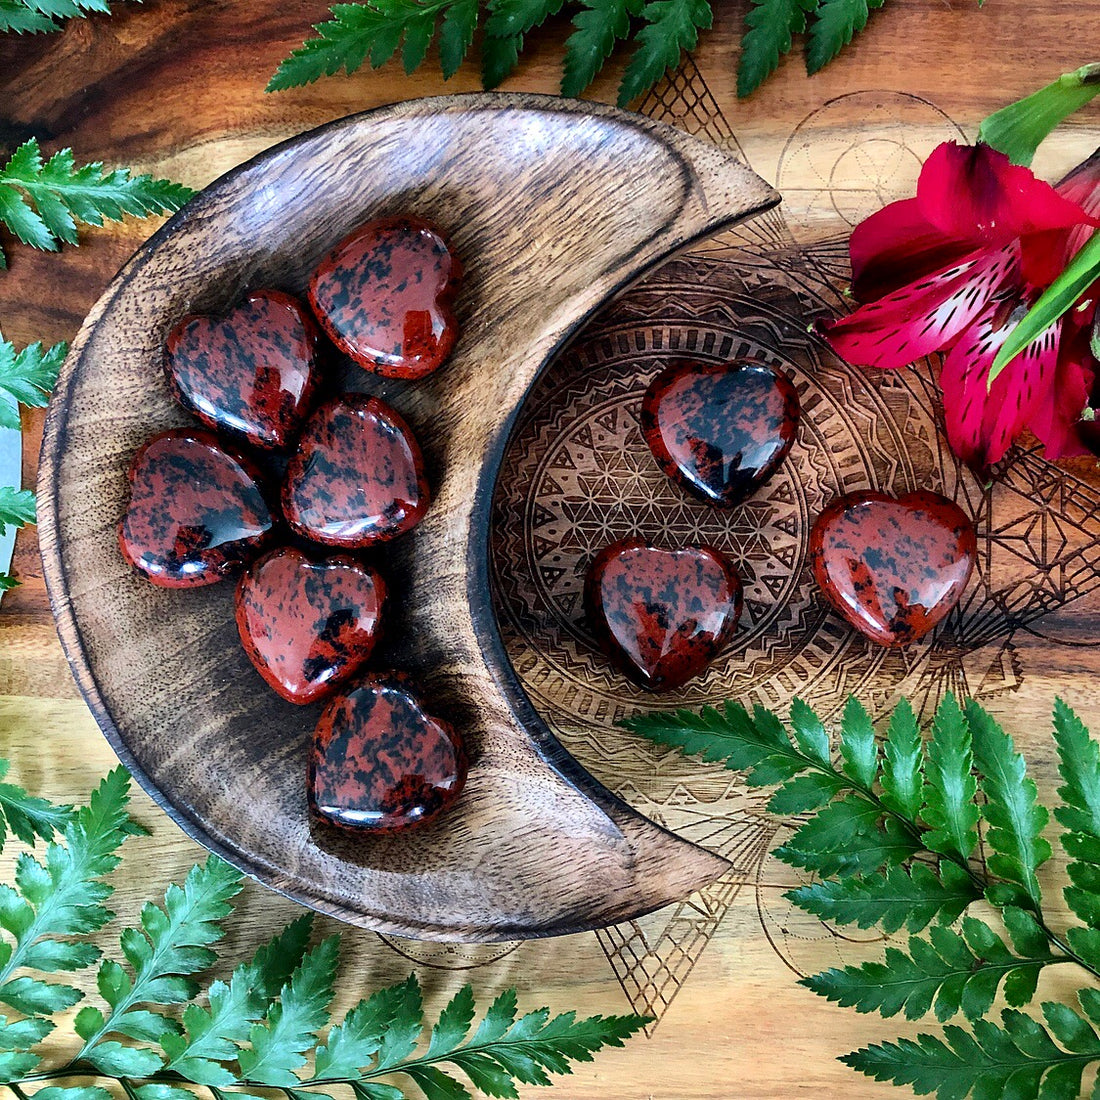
175,86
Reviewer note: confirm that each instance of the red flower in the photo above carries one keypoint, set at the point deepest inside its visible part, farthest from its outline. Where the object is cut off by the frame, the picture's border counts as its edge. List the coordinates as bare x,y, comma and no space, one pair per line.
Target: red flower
947,272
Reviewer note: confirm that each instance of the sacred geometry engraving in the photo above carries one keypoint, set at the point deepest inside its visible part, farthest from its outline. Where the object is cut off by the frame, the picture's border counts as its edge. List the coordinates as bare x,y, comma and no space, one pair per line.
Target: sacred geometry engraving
577,475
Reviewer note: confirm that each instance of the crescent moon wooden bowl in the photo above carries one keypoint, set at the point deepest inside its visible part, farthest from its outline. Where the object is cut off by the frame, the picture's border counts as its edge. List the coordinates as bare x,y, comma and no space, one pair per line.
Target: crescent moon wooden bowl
553,206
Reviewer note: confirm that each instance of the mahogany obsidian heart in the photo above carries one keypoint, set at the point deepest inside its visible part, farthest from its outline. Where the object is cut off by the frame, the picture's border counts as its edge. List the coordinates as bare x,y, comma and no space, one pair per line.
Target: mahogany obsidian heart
196,510
308,626
893,567
357,477
662,615
379,762
384,296
720,430
252,372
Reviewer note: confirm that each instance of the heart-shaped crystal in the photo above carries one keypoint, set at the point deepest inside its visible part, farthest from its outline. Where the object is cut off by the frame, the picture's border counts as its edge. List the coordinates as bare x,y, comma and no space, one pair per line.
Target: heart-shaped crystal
379,762
384,295
720,430
662,615
252,372
196,511
357,477
893,567
307,625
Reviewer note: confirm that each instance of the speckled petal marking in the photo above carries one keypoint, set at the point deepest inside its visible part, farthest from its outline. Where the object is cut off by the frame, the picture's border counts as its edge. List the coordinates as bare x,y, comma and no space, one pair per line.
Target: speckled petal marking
252,372
196,511
662,615
384,296
379,763
308,626
720,430
893,567
357,477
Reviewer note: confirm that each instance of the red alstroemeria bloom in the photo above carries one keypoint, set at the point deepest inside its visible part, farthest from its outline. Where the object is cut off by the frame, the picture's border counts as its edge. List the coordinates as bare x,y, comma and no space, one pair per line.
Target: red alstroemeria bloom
947,272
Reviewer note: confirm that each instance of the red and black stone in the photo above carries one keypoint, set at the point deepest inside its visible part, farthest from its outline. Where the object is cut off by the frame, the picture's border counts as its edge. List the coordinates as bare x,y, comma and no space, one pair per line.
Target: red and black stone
308,626
357,477
893,567
252,372
196,510
379,762
662,615
720,430
384,296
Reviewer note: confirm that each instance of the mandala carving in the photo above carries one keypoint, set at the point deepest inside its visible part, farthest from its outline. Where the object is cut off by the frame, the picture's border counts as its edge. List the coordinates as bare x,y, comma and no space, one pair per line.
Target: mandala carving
578,475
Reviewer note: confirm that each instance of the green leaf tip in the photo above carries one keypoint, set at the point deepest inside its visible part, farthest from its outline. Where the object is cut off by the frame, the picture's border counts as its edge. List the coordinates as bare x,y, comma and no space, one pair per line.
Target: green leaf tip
1020,128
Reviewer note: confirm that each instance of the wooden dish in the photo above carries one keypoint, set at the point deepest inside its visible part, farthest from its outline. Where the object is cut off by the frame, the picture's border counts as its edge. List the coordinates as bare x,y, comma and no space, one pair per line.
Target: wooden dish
553,206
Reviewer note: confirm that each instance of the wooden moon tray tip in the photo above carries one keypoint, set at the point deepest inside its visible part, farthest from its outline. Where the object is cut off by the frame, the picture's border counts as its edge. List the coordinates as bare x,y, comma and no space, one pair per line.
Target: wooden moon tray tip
554,206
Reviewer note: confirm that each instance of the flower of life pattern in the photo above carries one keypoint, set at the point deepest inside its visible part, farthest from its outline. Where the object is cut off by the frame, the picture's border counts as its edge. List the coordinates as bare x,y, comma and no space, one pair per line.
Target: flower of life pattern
578,475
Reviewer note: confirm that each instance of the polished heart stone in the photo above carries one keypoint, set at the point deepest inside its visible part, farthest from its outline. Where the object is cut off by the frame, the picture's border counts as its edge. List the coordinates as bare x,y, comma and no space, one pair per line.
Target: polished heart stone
893,567
384,295
308,625
252,372
662,615
720,430
357,477
196,510
379,762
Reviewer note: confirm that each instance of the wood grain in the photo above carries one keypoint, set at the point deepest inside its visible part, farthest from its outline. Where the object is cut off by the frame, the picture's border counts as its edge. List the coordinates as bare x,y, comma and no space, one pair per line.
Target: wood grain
177,86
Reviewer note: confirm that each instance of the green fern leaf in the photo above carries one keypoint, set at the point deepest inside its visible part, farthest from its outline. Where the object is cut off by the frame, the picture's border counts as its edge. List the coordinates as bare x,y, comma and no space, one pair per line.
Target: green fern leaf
671,26
26,816
353,1043
1079,764
836,23
213,1035
26,378
899,897
903,764
64,895
42,202
456,35
515,18
1015,818
948,972
172,944
769,26
599,25
857,744
755,744
1015,1060
499,57
277,1046
44,16
809,733
372,32
806,792
17,18
17,507
848,838
950,787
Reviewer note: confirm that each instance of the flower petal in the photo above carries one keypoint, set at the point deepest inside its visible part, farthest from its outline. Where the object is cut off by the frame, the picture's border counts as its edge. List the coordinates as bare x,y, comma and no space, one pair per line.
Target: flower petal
974,193
983,420
895,246
1055,418
925,316
1081,186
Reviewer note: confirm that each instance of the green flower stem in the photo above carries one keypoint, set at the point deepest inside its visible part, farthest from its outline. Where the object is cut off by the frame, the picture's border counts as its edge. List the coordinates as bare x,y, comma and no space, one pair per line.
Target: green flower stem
1018,129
